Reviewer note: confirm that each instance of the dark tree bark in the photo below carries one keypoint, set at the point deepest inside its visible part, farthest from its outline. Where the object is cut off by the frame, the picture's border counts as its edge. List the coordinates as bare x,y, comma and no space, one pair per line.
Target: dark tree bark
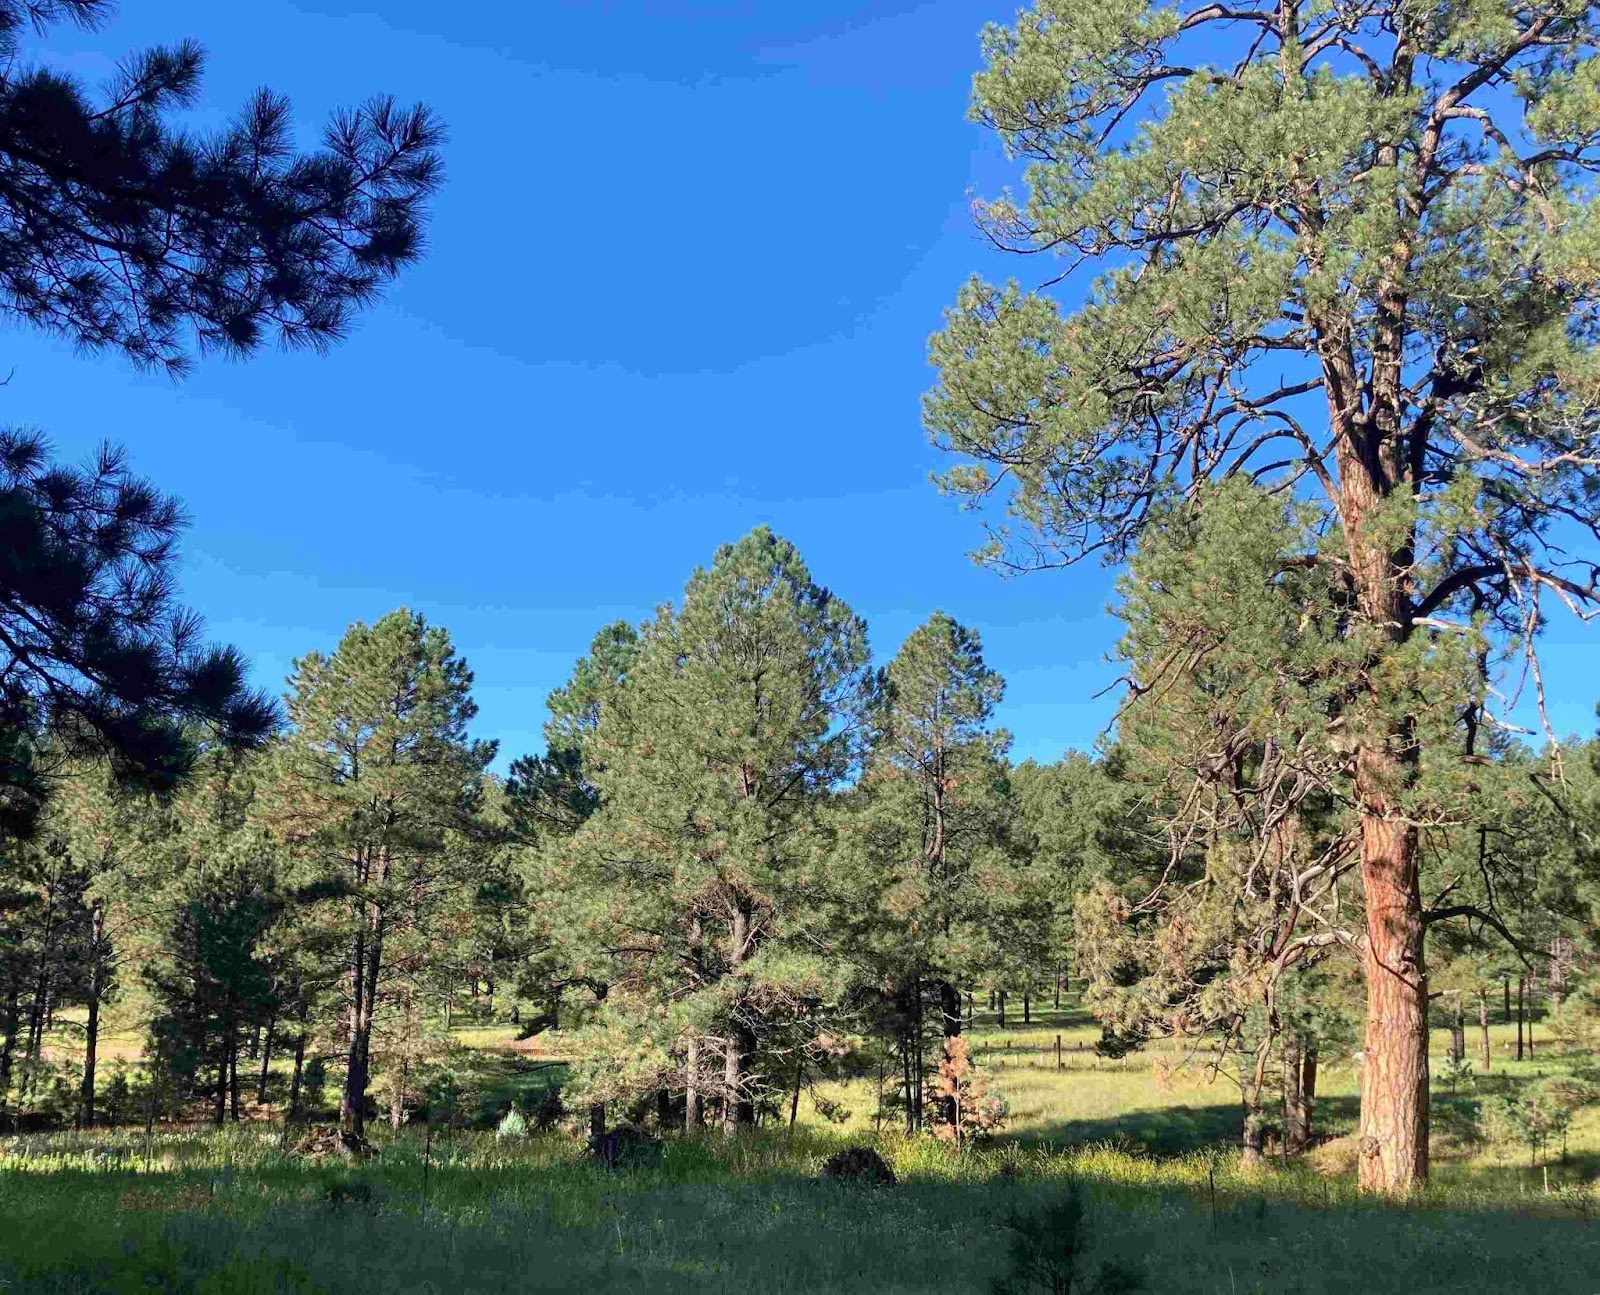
1295,1133
1483,1027
366,961
10,1024
219,1109
234,1048
266,1059
949,1009
95,991
299,1071
1519,1017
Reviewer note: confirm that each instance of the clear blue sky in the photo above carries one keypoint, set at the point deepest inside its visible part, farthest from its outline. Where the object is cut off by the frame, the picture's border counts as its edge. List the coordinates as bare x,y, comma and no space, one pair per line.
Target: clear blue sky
680,282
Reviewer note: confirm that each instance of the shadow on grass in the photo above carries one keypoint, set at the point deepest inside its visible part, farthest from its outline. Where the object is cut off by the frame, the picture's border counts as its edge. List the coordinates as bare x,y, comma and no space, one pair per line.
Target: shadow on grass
1170,1131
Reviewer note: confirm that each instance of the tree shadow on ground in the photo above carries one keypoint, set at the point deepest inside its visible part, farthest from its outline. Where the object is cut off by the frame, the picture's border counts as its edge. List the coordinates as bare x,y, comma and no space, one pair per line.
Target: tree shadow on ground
1169,1131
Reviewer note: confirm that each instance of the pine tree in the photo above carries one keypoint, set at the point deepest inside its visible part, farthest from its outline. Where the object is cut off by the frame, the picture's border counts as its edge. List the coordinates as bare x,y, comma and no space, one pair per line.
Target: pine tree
372,792
931,815
123,230
702,874
1346,253
97,659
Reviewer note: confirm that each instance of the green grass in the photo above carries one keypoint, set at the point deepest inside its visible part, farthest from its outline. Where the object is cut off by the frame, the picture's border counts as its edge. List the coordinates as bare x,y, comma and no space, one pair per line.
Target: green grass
1147,1144
232,1212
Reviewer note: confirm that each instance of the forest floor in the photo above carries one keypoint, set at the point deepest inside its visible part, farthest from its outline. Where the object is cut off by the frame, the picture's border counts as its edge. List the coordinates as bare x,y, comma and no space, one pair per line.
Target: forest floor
1119,1173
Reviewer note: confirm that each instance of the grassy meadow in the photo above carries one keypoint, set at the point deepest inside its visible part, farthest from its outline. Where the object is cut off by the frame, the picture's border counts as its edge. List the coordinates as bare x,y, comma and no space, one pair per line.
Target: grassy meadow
1113,1175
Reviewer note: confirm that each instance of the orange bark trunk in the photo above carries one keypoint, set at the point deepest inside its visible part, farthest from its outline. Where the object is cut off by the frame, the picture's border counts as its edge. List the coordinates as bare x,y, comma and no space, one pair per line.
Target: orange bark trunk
1394,1076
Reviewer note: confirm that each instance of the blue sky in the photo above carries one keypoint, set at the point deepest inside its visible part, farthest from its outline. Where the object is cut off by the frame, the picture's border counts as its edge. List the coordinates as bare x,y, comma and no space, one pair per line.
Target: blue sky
680,283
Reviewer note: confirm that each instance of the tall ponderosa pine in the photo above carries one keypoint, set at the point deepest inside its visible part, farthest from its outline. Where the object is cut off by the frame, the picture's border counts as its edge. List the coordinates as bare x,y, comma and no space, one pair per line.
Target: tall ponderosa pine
703,871
1347,251
932,817
371,791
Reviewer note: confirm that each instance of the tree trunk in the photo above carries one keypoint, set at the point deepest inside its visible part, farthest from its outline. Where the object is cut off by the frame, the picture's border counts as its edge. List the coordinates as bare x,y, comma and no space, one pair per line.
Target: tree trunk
799,1078
905,1076
366,960
738,1105
1295,1133
1483,1027
918,1061
692,1118
1519,1018
1001,1022
266,1059
1254,1130
1394,1076
234,1043
1505,984
1458,1034
299,1070
1308,1088
949,1009
10,1023
95,991
397,1100
1027,1013
219,1109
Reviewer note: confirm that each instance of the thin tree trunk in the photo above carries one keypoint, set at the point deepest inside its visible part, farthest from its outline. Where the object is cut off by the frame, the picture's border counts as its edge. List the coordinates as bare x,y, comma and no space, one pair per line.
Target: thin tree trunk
219,1110
299,1070
1027,1005
692,1118
1519,1018
1505,984
10,1023
905,1068
799,1078
1483,1027
918,1059
1458,1034
266,1059
234,1048
1001,1022
1308,1088
96,990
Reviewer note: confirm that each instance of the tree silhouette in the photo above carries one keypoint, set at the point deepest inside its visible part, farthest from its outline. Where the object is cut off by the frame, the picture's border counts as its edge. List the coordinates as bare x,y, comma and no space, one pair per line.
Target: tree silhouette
124,232
95,654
